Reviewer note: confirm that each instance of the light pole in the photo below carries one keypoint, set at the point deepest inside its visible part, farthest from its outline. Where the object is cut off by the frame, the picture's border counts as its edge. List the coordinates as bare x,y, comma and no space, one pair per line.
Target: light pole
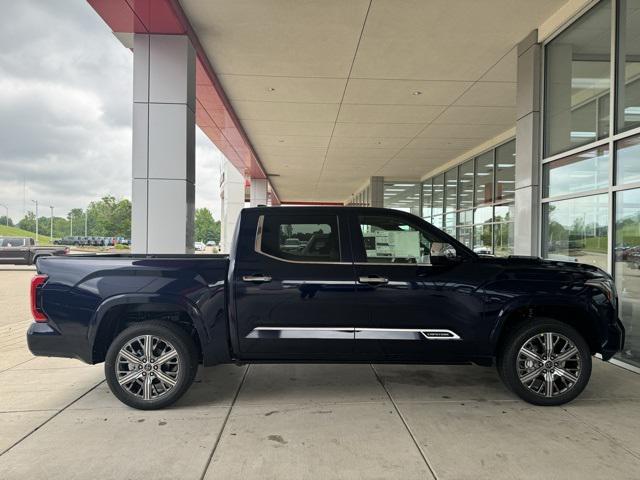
51,225
86,216
71,224
7,213
36,202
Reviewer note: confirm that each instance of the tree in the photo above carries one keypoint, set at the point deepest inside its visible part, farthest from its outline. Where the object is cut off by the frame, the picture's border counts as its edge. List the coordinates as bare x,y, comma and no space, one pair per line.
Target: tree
28,223
206,228
109,217
3,221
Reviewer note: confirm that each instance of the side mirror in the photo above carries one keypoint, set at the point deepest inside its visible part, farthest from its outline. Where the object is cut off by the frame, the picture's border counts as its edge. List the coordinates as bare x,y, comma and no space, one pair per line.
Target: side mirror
443,250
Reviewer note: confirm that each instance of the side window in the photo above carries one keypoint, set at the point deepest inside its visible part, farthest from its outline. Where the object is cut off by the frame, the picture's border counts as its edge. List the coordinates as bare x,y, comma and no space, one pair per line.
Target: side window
301,238
391,240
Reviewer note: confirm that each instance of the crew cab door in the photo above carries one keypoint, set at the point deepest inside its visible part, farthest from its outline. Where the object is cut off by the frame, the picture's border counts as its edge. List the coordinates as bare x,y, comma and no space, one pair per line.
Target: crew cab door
420,306
293,285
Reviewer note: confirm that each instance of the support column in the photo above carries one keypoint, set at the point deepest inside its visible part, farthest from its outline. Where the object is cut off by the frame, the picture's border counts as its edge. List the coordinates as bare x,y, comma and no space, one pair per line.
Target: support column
232,197
163,194
376,191
258,192
527,169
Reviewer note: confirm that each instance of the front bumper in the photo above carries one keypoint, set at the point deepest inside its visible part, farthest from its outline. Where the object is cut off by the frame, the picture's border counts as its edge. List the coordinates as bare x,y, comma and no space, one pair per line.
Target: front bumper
615,340
43,340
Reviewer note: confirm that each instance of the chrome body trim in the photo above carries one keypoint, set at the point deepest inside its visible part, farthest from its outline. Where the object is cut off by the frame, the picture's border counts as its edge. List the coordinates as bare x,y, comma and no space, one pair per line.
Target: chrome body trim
363,333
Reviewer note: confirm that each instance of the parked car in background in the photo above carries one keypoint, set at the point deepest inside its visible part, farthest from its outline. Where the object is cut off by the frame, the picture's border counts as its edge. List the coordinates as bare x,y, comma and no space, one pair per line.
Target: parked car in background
199,246
211,243
372,285
23,251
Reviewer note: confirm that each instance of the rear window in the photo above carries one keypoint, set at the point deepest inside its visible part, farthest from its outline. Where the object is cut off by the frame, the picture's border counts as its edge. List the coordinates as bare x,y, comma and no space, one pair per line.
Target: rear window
11,242
301,238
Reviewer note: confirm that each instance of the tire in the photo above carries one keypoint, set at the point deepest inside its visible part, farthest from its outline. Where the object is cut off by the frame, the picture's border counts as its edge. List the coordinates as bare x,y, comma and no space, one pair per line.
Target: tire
531,374
156,385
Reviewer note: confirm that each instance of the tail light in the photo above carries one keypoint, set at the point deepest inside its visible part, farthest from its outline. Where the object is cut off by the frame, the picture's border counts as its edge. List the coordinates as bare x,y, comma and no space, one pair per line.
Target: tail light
36,282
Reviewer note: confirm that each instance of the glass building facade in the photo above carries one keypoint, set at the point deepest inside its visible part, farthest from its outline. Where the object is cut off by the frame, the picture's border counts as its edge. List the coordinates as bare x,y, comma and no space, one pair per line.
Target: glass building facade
591,160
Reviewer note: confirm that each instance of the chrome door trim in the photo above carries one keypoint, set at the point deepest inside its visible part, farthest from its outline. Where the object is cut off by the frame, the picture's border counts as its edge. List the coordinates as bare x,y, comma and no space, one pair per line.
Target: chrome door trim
256,278
366,333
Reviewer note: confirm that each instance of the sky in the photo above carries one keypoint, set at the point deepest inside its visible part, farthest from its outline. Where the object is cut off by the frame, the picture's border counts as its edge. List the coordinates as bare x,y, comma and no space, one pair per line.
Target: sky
65,112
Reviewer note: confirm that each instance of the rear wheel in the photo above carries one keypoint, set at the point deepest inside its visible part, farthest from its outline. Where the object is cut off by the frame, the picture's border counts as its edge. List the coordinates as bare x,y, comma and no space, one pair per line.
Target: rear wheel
151,364
545,362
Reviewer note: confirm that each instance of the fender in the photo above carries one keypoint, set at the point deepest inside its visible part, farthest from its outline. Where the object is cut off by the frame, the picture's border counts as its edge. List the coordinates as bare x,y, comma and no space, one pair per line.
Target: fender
182,304
536,301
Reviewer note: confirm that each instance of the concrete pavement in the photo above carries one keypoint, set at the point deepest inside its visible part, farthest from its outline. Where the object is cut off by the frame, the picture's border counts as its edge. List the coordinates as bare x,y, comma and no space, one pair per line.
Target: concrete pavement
58,420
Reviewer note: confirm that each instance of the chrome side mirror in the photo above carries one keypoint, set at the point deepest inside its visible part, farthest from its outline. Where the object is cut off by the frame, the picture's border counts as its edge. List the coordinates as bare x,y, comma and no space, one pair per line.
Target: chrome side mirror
443,250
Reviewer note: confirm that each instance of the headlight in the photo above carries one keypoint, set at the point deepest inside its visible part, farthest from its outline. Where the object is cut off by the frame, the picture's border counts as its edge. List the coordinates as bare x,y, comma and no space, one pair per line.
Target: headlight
606,286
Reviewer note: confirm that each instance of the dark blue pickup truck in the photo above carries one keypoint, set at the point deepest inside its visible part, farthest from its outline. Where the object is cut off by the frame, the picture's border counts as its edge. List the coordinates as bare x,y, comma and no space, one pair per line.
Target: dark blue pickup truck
326,284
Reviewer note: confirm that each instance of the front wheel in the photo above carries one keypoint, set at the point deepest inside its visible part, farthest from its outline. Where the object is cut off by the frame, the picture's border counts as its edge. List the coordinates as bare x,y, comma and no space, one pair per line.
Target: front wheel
545,362
151,364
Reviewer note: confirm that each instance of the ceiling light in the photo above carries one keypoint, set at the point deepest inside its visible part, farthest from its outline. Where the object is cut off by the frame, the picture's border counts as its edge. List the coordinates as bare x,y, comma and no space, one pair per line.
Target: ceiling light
271,89
416,92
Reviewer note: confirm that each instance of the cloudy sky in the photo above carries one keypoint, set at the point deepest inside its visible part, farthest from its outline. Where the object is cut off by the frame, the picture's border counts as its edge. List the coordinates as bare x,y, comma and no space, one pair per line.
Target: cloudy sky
65,112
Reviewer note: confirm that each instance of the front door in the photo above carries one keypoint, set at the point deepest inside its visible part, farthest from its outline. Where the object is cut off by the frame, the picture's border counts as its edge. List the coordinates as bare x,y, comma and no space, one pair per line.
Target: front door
421,307
292,288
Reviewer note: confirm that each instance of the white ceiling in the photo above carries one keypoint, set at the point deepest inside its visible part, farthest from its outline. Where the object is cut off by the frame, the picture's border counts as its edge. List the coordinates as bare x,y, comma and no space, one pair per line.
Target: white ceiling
325,88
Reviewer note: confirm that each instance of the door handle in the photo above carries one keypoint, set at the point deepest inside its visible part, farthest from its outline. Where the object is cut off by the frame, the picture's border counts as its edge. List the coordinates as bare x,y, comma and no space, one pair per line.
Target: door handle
256,278
373,279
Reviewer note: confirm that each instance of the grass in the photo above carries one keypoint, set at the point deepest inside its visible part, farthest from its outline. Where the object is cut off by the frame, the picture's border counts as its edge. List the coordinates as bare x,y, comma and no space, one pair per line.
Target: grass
18,232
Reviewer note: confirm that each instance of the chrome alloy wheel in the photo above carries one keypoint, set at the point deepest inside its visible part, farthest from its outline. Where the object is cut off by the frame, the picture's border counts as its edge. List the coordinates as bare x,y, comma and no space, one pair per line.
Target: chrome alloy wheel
549,364
147,366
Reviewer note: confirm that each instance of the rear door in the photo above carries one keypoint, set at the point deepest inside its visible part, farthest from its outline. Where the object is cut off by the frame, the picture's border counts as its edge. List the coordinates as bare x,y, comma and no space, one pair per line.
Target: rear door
294,285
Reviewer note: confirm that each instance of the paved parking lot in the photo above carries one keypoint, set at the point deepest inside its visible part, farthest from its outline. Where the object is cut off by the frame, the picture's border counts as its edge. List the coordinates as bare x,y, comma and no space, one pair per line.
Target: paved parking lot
58,420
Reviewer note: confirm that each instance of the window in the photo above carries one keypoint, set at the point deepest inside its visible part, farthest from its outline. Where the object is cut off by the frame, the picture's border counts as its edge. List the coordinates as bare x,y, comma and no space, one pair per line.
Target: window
392,240
12,242
403,196
505,171
302,238
484,178
450,190
627,269
577,230
629,66
465,185
577,64
438,194
578,173
628,160
503,231
426,199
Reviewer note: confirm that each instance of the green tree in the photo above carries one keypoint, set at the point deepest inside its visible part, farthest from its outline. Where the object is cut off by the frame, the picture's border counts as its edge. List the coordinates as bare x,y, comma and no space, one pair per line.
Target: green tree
206,228
3,221
109,217
28,223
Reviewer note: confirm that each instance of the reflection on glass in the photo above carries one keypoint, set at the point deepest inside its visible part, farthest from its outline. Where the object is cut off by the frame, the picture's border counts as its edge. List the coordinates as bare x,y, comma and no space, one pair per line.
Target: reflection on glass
577,173
402,196
450,223
465,185
628,160
438,194
505,171
436,221
451,190
484,178
426,199
577,75
465,217
465,236
627,270
577,230
503,239
482,239
628,92
483,215
504,213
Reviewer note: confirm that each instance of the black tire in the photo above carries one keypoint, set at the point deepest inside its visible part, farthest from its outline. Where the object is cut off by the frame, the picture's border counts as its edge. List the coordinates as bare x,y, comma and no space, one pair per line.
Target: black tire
187,364
509,365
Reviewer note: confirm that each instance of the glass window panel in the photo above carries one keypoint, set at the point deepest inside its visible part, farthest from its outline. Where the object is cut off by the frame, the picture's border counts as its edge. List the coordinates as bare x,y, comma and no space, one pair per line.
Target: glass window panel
301,238
627,270
628,160
390,240
482,239
465,236
577,230
465,217
503,239
465,185
484,178
504,213
438,194
506,171
450,223
577,173
436,221
427,198
451,190
402,196
577,74
603,116
628,92
483,215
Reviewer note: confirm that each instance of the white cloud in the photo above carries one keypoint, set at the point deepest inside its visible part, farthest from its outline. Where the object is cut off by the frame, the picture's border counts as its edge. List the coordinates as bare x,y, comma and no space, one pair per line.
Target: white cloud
65,111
